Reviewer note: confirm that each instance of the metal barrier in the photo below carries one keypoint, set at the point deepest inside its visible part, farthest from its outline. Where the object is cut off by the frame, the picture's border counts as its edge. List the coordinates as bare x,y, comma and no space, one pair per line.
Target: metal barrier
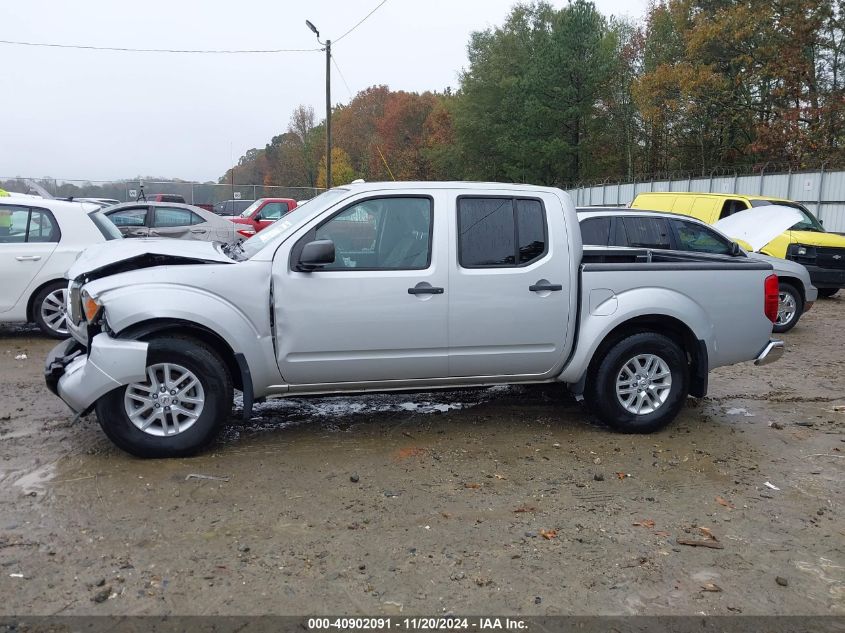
127,190
821,191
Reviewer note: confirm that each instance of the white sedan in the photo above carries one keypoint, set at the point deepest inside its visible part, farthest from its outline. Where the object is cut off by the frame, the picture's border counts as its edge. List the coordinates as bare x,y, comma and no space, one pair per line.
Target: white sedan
39,240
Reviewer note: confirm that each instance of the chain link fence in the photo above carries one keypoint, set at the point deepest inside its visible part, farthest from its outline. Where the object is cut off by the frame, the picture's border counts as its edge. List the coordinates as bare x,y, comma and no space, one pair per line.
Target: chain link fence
128,190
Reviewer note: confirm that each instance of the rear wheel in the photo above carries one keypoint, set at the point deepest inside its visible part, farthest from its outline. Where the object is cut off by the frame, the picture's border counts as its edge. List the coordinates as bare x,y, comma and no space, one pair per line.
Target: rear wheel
640,384
48,310
790,307
827,292
178,409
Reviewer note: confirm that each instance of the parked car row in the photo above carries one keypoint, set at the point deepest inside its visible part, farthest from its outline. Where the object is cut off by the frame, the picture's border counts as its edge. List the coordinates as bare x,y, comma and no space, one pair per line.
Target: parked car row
166,219
804,241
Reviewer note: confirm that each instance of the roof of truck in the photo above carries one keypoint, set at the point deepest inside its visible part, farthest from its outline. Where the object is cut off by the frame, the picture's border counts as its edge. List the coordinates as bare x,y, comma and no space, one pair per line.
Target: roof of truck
458,184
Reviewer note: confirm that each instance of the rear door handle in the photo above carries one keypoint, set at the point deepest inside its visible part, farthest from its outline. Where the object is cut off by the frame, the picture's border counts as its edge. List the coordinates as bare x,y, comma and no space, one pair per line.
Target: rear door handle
545,287
425,290
28,258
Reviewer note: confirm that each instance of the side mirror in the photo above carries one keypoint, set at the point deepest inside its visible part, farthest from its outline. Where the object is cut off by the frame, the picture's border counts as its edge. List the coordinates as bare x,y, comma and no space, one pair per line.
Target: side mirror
736,250
314,255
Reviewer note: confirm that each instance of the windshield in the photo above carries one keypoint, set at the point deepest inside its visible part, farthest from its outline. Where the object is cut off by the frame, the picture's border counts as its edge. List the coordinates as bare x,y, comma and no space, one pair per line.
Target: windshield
249,210
291,220
109,230
809,223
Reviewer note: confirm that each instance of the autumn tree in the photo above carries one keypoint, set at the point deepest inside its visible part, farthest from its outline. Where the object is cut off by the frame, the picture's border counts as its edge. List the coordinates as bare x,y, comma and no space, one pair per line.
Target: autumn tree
342,170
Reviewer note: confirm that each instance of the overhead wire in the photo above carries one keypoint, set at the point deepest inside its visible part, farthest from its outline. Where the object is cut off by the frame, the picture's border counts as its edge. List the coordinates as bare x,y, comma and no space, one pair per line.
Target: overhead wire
189,51
127,49
359,23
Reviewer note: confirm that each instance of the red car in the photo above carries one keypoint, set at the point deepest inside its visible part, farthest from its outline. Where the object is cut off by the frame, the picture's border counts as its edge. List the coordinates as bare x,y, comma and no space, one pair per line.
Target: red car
261,214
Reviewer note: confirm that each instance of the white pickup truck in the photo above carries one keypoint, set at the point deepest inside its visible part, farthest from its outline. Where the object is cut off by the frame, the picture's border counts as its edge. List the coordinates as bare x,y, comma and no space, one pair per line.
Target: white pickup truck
400,286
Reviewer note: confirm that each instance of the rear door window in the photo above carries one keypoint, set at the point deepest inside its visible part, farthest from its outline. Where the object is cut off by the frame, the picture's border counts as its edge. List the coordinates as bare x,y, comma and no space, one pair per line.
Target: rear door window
174,216
136,216
647,233
500,232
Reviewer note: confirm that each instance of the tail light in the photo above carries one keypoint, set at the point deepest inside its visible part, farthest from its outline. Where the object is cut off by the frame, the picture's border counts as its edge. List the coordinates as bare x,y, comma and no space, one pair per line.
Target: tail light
770,306
247,233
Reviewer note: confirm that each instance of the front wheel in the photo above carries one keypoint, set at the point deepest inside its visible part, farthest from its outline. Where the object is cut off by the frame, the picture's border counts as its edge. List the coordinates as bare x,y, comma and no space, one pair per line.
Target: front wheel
790,308
48,308
827,293
640,384
177,410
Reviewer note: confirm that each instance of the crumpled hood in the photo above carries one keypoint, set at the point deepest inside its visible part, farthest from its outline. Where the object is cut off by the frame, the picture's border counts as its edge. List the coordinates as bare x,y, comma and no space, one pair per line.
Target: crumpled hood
760,225
144,253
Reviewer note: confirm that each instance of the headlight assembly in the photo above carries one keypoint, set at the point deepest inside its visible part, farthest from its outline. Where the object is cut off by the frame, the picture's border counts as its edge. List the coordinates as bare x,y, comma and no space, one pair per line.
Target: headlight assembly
90,307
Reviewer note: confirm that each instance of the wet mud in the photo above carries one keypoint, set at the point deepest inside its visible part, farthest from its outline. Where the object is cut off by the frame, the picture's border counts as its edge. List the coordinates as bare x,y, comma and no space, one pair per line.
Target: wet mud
504,500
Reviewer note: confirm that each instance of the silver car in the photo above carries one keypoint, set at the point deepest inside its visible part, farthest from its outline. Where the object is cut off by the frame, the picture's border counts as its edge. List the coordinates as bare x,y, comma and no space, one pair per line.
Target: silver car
611,226
171,219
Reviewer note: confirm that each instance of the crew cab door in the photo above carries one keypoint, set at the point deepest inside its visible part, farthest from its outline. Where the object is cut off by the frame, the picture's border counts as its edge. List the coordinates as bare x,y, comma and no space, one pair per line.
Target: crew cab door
27,239
509,286
379,312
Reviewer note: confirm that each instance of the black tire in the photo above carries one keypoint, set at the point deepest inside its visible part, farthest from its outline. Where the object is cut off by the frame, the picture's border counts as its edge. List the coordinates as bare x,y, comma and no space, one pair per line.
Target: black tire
45,301
601,395
827,293
788,292
216,384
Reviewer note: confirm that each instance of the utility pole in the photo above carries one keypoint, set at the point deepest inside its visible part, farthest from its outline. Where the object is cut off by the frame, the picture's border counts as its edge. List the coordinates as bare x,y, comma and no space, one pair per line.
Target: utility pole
328,48
328,114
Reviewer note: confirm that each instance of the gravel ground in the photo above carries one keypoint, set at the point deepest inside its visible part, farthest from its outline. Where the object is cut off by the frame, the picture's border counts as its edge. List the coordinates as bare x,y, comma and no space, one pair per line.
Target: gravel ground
506,500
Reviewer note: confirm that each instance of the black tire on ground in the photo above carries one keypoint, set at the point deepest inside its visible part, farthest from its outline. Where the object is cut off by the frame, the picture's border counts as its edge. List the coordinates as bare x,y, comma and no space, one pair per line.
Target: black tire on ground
789,292
216,385
827,293
601,390
48,299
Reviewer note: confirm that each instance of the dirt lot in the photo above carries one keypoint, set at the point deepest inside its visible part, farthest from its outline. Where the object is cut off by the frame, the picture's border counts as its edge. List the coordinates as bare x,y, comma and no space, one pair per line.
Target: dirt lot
438,503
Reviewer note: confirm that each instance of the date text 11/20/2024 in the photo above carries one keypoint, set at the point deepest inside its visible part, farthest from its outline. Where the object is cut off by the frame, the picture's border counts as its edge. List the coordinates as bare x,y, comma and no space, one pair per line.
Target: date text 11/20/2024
416,624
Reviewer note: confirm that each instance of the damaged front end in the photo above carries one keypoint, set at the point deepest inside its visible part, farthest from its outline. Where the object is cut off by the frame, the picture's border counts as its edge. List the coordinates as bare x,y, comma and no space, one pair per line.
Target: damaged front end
80,379
84,368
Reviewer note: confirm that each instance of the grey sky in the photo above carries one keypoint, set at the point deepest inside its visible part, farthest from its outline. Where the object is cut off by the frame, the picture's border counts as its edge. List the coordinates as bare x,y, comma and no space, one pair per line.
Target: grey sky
105,115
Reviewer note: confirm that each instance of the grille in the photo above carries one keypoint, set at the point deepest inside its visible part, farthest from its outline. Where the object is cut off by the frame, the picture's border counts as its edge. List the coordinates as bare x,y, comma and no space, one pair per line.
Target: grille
830,257
74,307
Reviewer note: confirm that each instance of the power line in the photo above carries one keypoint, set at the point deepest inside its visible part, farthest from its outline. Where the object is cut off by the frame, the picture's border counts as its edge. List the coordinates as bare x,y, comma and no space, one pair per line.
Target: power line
122,49
364,19
340,72
189,51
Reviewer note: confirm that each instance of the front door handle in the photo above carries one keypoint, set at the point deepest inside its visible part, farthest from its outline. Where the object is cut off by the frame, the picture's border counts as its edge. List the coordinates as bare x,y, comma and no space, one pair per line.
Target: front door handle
545,287
28,258
419,289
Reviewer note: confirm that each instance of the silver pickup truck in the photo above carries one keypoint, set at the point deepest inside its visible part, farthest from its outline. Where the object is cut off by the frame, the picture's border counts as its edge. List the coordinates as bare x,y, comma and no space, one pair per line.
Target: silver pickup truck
399,286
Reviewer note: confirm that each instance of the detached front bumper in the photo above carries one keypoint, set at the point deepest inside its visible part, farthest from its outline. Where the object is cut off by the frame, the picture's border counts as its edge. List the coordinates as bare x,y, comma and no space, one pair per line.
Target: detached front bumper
770,353
80,379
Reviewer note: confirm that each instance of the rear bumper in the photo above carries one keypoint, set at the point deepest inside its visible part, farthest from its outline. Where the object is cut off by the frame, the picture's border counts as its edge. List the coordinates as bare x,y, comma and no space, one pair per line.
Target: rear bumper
826,277
80,379
770,353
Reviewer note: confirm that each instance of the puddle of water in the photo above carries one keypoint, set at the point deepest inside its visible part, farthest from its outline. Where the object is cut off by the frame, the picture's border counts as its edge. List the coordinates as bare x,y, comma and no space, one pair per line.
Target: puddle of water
36,480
